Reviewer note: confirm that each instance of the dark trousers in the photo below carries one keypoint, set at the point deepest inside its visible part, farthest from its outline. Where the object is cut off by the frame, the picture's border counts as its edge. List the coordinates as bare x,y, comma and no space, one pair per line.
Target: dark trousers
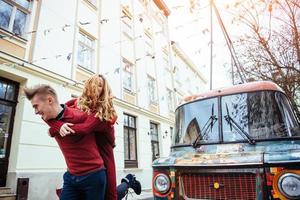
122,190
86,187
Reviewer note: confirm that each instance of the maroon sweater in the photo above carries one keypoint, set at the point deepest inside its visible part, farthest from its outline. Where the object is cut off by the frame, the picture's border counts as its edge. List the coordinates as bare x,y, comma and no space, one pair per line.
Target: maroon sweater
80,151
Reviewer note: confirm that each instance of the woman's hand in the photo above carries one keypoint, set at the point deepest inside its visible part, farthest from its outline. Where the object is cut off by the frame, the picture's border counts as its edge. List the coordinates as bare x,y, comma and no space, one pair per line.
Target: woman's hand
66,130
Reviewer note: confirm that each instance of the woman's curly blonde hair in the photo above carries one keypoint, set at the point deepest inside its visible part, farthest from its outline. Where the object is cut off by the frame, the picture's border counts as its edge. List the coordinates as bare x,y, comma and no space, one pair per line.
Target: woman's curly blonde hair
92,101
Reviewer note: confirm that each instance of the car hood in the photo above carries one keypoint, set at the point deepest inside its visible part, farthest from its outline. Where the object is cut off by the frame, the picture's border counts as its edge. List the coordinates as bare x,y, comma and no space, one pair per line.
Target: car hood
270,152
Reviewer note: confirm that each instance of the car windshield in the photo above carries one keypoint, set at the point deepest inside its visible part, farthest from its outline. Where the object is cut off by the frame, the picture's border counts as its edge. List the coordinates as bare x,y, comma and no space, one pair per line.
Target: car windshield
259,115
197,118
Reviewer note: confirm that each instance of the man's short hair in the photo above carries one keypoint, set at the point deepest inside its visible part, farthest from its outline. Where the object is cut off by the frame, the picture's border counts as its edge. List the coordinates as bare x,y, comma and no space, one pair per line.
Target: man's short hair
41,89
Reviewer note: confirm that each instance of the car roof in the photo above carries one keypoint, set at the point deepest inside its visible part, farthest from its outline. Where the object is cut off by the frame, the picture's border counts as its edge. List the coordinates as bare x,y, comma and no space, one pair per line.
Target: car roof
241,88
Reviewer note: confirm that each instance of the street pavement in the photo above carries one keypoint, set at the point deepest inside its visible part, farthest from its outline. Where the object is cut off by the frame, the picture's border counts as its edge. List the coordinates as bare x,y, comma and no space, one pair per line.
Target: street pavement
145,195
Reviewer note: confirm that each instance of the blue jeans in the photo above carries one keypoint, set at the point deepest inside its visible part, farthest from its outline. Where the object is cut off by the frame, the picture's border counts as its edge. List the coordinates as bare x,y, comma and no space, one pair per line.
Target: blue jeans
122,190
88,187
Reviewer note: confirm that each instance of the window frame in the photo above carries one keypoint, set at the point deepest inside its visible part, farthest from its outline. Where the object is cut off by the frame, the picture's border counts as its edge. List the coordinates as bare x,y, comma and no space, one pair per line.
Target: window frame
152,96
130,72
11,102
130,163
91,48
148,40
127,23
15,6
154,142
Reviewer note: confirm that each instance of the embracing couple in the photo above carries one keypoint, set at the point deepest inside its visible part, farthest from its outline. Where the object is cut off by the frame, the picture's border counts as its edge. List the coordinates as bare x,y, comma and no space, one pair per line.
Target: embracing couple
84,131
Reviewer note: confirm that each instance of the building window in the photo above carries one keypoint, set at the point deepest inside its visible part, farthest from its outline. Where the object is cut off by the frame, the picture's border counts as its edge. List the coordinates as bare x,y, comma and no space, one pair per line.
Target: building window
148,42
13,15
130,146
127,75
127,24
9,91
86,51
170,100
154,140
152,90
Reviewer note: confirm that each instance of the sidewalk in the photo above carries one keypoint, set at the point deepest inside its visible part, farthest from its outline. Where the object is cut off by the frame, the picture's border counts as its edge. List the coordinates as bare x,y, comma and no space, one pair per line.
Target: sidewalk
145,195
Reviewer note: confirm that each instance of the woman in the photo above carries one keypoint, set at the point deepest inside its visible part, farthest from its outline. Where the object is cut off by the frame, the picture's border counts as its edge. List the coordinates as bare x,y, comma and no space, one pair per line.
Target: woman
96,100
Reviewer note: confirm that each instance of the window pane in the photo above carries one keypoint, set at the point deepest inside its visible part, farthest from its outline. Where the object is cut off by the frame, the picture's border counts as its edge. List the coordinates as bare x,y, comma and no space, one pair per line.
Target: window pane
261,115
132,122
154,136
155,147
88,59
23,3
89,42
5,116
10,93
81,37
125,120
153,132
199,117
126,150
3,87
151,89
5,14
80,56
85,52
236,107
132,145
127,82
19,23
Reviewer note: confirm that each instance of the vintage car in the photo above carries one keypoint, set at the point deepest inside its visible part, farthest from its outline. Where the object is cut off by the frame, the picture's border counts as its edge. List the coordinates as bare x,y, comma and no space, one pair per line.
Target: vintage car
241,142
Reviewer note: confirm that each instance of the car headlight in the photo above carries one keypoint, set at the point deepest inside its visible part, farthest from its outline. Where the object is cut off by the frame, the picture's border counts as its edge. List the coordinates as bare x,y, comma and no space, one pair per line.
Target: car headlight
289,185
162,183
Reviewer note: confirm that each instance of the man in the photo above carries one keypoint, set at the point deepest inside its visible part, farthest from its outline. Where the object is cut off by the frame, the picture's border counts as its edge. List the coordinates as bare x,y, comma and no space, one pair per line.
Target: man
85,175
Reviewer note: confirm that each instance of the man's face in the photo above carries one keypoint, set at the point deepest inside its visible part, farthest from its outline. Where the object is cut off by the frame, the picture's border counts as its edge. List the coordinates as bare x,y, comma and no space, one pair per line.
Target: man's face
43,106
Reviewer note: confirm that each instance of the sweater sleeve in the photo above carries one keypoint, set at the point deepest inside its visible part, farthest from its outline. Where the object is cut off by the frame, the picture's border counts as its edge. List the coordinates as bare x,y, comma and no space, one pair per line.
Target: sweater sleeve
55,126
89,125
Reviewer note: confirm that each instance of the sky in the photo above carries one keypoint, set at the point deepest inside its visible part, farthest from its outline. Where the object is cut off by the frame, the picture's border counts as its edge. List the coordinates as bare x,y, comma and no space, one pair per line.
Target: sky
192,31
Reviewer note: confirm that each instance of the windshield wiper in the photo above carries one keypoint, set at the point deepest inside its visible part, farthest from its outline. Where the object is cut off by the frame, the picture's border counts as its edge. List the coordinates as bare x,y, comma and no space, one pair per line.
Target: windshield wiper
239,130
209,124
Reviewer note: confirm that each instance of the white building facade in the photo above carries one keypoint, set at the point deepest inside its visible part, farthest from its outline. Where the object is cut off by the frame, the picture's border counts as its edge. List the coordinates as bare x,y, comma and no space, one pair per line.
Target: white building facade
62,43
188,79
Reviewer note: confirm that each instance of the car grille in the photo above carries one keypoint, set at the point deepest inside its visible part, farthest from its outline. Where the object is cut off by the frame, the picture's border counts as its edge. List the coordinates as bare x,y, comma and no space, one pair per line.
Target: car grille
231,186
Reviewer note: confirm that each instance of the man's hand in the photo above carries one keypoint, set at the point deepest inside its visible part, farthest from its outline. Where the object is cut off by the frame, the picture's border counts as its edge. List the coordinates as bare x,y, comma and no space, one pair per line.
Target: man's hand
66,130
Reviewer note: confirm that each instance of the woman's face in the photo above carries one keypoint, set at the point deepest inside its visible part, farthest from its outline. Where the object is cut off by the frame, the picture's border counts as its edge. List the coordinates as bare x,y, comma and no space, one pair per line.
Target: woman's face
100,86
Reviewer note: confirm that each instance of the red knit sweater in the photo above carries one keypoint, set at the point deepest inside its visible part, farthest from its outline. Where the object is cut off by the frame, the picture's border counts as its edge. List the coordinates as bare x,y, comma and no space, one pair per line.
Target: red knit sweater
80,151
